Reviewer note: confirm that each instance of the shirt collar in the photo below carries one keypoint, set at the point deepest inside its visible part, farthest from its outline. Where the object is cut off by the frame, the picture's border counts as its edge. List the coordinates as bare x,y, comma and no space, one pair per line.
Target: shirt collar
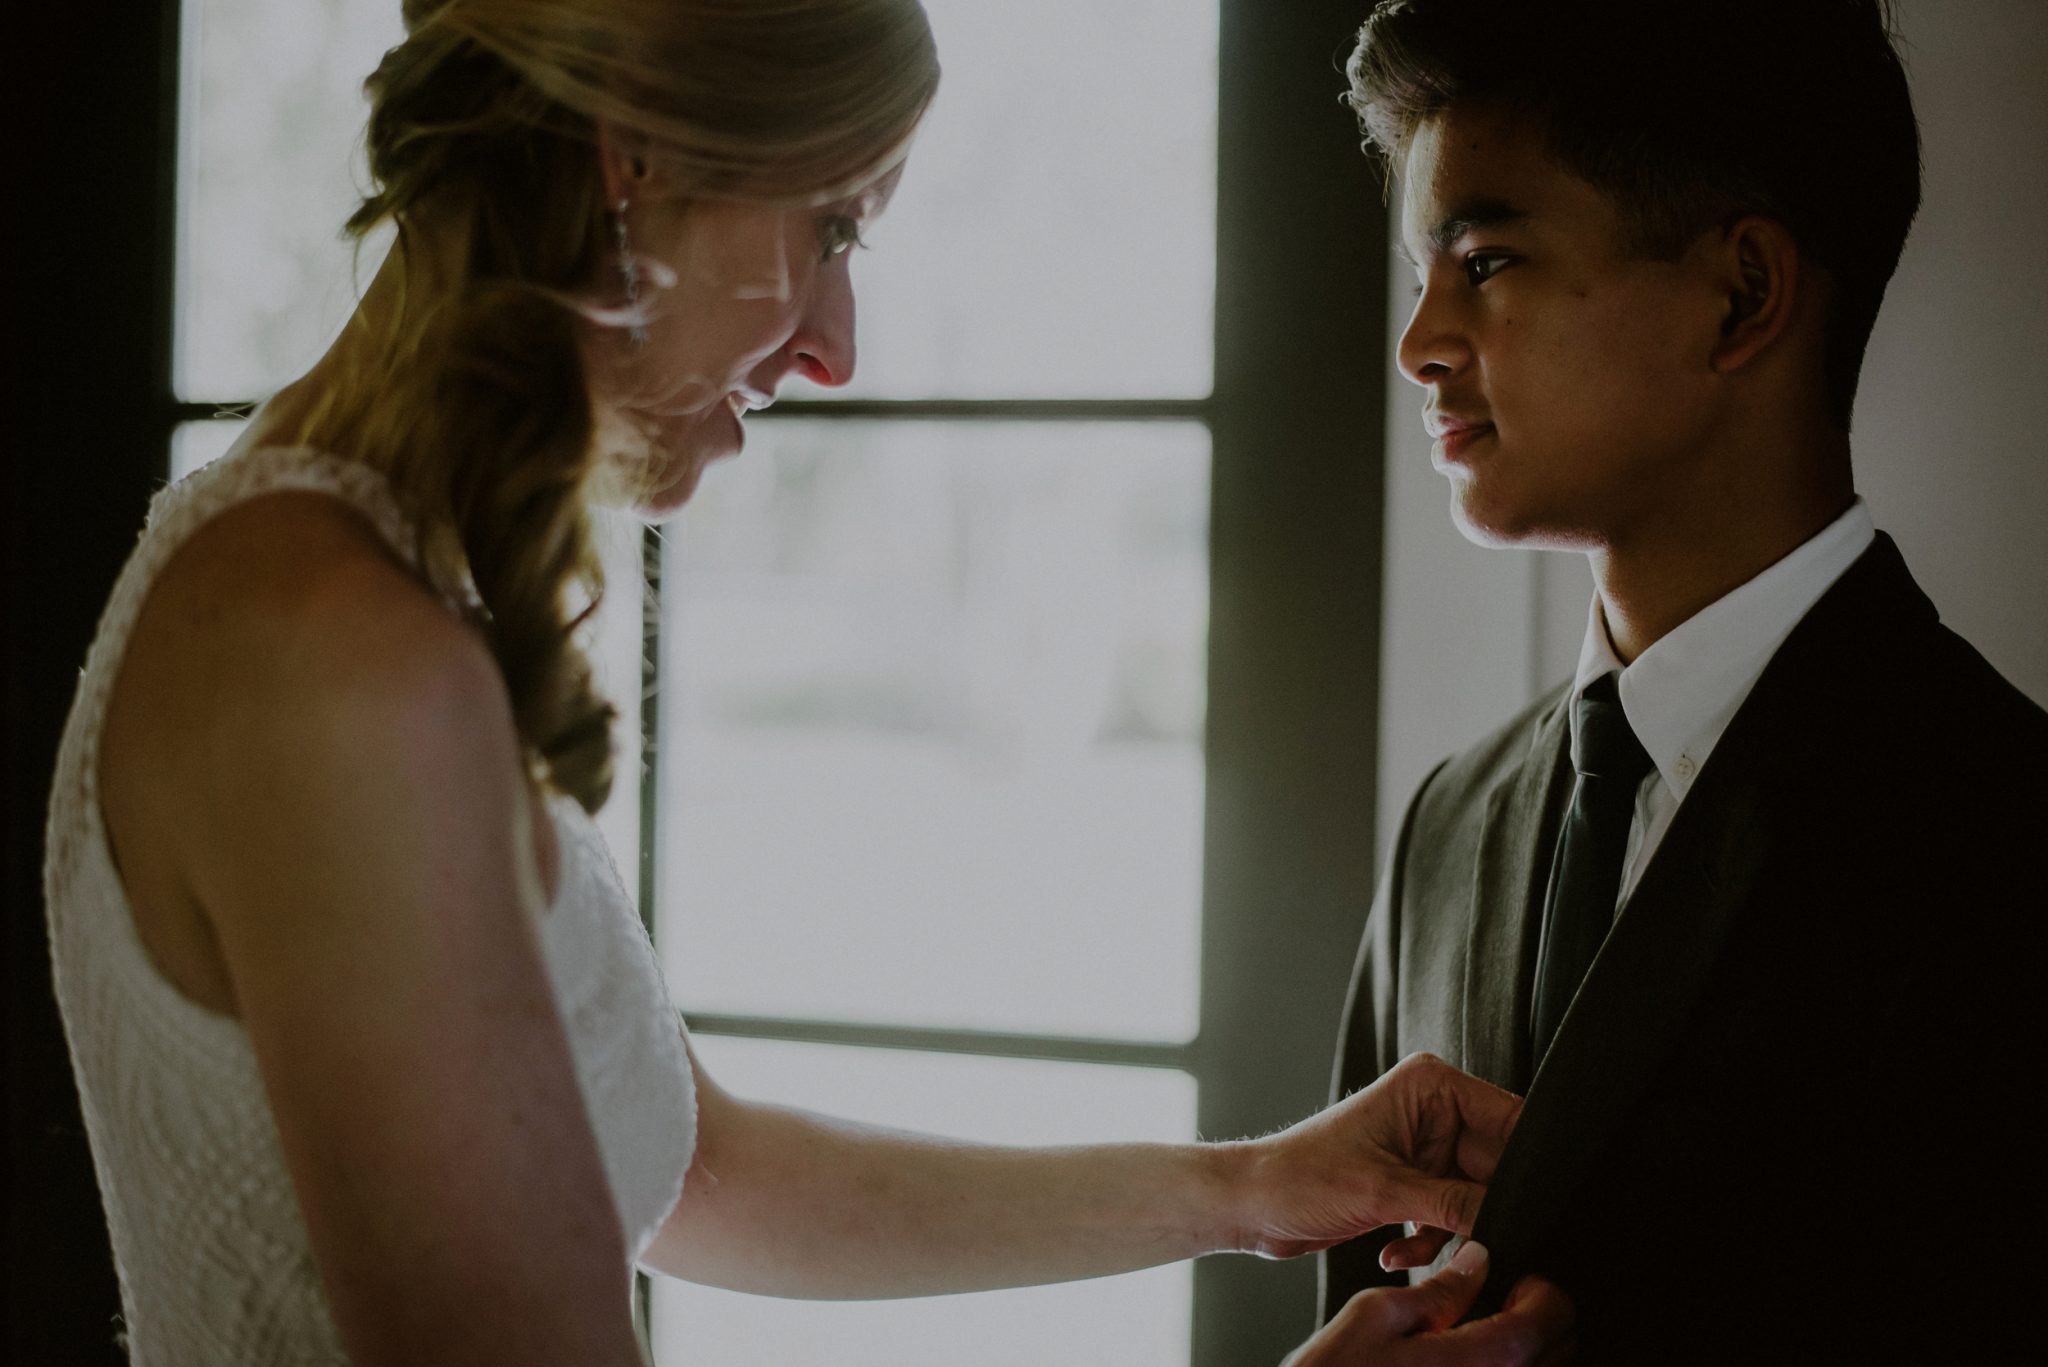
1681,693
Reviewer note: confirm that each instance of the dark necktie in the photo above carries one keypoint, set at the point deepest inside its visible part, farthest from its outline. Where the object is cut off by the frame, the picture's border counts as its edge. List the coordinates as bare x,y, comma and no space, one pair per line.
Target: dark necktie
1585,879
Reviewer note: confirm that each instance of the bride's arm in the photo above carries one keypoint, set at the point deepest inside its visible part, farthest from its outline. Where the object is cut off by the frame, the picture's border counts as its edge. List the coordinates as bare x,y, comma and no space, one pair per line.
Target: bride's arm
784,1202
351,805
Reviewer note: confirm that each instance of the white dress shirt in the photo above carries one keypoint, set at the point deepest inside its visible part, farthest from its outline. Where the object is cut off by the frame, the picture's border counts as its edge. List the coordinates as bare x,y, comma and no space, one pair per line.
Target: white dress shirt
1682,692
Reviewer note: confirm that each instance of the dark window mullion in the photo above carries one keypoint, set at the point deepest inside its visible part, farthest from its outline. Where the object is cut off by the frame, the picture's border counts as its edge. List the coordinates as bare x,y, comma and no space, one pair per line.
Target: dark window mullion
993,410
978,1043
892,410
649,719
1294,617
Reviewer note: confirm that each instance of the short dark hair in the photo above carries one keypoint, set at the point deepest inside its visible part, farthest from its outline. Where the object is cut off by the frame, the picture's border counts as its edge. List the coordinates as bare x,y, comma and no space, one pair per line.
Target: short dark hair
1686,113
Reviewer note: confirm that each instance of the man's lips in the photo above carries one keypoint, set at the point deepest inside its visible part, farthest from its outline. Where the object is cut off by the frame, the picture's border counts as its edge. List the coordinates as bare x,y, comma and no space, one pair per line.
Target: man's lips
1443,425
1454,435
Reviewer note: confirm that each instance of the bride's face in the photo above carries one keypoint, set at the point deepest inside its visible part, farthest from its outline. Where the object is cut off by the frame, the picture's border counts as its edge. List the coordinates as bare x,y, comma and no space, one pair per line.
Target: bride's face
738,297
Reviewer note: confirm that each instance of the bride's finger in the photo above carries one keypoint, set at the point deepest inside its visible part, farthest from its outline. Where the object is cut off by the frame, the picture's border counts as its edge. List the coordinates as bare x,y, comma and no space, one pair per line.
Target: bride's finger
1487,1116
1419,1247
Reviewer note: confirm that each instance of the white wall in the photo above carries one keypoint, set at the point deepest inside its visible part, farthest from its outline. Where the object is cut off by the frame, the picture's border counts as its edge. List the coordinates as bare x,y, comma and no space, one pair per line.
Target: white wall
1951,431
1951,426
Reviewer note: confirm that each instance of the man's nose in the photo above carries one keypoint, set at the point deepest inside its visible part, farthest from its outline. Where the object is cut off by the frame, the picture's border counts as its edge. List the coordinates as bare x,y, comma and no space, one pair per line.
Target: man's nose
1431,348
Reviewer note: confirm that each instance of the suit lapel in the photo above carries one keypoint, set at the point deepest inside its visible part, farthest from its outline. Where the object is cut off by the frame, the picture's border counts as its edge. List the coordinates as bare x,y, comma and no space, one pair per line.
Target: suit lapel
1650,974
1646,981
1511,874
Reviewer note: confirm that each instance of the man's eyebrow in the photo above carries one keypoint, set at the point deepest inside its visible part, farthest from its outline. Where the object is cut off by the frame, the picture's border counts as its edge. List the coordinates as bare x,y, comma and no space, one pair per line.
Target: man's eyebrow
1467,217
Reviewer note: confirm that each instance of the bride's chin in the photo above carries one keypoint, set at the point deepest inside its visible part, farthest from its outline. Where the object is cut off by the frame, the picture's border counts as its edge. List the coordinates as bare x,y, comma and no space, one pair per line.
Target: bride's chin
666,502
654,463
680,474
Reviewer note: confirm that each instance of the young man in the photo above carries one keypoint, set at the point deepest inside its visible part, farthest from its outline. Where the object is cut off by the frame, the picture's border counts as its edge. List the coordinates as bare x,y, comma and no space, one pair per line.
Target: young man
1753,908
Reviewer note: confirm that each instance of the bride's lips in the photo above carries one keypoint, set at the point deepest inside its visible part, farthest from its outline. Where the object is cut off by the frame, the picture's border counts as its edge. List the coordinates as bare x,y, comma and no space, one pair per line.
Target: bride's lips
738,403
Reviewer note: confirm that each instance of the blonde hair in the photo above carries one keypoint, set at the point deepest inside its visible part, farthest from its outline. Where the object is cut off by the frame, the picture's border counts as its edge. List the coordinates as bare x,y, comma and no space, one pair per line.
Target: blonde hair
483,132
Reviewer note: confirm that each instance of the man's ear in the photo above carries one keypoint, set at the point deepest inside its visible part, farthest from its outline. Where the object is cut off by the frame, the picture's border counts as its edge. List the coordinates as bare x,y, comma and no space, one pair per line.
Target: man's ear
623,162
1760,269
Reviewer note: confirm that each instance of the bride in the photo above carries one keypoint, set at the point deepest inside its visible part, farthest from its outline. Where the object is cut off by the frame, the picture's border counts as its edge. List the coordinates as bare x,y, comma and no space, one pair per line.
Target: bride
375,1060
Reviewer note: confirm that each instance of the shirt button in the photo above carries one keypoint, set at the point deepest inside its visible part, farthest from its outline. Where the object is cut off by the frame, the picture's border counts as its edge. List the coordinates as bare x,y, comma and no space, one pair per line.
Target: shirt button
1686,768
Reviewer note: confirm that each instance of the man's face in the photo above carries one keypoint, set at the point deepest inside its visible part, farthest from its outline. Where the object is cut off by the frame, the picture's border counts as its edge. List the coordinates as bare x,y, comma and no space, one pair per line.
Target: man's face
1569,386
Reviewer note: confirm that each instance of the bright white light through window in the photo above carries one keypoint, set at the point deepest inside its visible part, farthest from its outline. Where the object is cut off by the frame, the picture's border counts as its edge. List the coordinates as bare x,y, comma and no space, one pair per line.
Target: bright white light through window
1054,236
270,166
931,721
1055,233
201,443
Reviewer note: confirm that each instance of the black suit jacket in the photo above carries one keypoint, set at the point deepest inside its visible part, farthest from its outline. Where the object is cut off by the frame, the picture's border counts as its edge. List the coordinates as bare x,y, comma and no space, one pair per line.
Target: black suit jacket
1792,1114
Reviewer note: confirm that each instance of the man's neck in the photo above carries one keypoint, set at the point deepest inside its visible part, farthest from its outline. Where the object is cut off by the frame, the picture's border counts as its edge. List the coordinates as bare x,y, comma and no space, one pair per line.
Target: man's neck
1651,584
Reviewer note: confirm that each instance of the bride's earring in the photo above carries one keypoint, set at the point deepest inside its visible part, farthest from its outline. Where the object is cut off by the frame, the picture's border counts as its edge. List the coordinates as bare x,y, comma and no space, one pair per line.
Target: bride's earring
629,271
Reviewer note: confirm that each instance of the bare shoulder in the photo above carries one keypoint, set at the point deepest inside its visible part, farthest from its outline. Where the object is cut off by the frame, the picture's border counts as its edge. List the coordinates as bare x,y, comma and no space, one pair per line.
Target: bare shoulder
292,686
297,590
328,668
288,616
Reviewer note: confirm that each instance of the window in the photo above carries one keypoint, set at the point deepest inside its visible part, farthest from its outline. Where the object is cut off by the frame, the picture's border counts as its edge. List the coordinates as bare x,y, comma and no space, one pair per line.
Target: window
1010,710
931,678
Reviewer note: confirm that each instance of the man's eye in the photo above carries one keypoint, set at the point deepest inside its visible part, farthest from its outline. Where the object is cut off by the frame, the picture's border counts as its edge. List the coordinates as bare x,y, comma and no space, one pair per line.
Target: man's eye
842,234
1481,268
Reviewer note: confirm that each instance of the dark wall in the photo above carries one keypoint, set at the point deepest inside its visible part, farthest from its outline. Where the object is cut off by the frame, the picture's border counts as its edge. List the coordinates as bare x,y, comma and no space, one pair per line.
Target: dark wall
1295,556
87,172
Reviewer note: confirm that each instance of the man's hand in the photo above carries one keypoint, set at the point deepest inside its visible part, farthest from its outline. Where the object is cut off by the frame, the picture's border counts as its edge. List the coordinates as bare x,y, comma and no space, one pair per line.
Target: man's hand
1416,1146
1412,1326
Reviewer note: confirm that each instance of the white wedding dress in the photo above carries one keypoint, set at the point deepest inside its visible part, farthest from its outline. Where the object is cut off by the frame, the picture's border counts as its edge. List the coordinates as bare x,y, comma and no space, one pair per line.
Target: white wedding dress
214,1262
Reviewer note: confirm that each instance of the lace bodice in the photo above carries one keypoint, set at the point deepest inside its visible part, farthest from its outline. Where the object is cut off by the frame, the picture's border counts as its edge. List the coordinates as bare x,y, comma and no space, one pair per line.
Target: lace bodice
212,1251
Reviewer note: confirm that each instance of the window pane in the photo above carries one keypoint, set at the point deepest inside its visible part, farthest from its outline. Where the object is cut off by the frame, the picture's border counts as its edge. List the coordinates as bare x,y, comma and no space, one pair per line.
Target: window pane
194,444
269,167
1055,235
931,712
1140,1320
1055,232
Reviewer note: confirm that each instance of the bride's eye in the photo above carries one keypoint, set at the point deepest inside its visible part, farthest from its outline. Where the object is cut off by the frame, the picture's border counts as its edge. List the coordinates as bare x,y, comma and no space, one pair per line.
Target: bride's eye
841,234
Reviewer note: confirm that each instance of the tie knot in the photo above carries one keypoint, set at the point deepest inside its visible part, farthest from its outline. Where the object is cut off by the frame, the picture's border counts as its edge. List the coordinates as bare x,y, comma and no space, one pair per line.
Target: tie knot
1605,746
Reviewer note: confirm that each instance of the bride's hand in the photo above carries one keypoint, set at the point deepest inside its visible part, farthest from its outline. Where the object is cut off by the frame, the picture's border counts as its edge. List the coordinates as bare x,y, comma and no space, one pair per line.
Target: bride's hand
1418,1146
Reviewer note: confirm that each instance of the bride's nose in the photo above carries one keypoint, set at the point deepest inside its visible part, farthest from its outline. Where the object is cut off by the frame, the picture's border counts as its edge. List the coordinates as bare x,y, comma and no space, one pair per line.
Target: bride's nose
823,342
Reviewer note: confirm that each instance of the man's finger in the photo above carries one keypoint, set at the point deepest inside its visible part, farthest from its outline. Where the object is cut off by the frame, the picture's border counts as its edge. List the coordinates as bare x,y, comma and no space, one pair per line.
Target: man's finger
1442,1301
1542,1302
1535,1322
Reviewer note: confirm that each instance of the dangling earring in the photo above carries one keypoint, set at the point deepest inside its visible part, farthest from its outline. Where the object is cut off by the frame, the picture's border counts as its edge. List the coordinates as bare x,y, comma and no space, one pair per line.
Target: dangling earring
629,270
